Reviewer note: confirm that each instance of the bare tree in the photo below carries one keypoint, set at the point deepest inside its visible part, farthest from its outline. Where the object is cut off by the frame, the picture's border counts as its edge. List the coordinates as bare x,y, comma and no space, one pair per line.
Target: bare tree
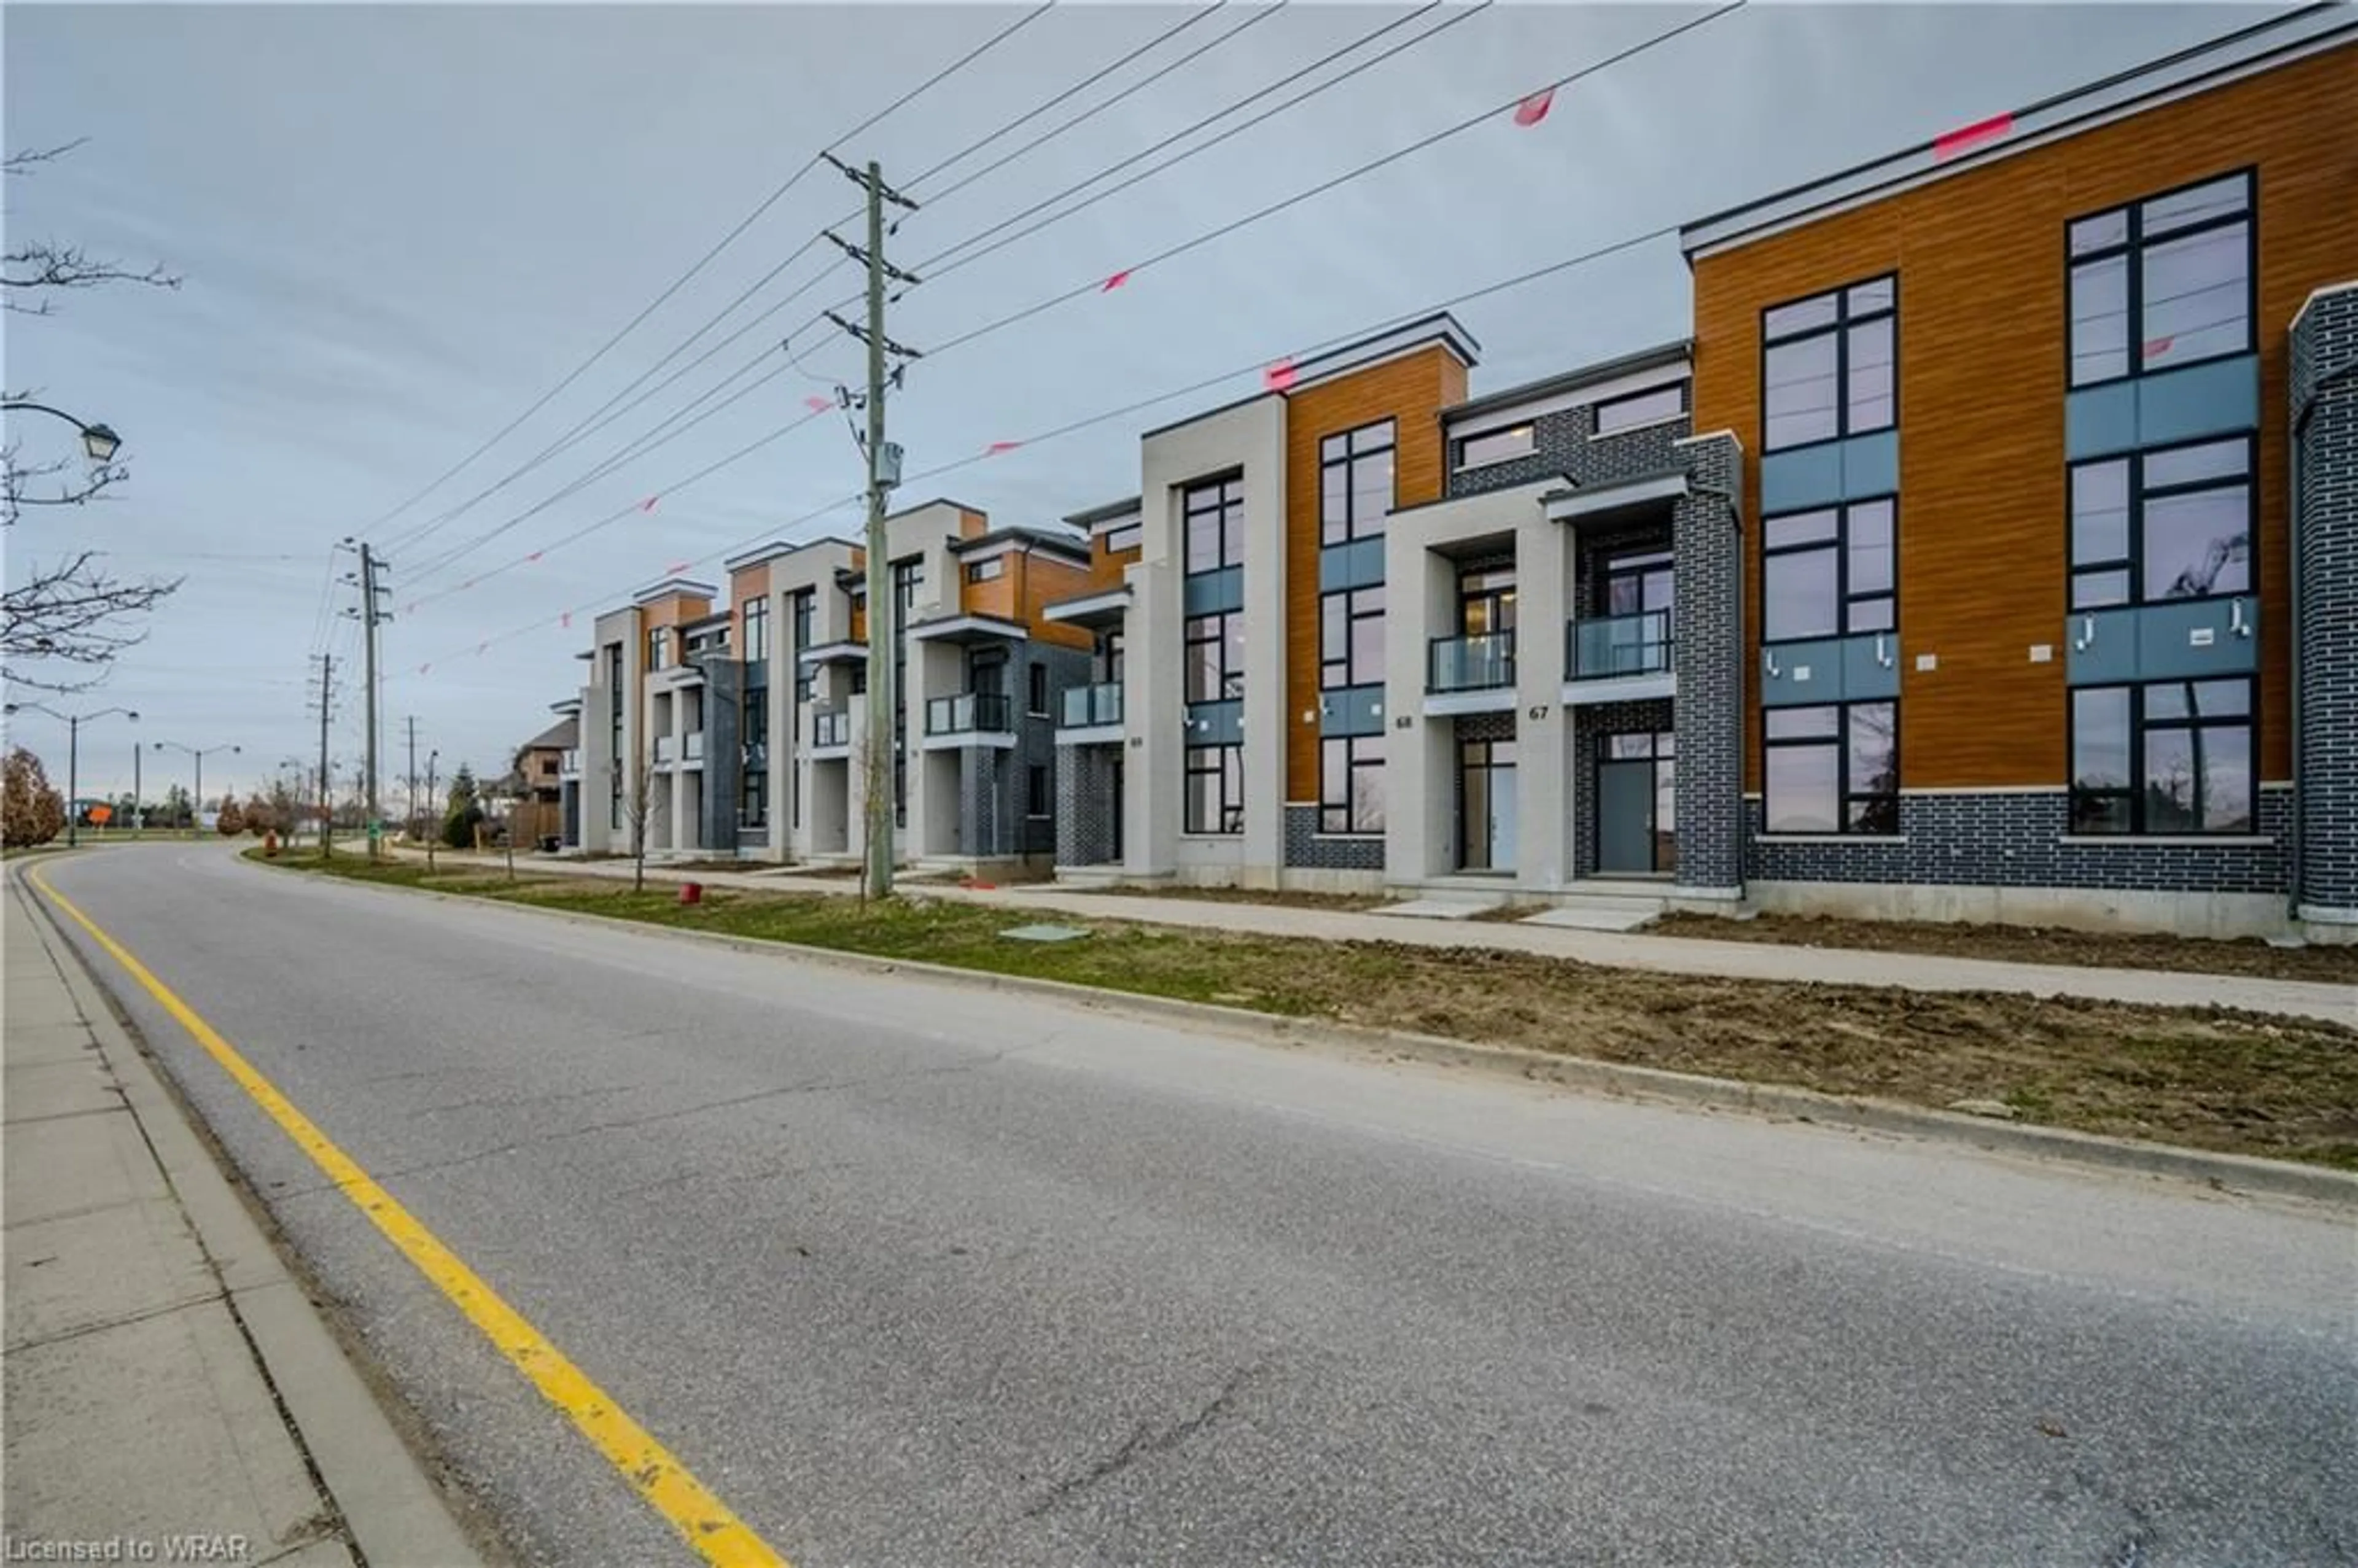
638,806
65,623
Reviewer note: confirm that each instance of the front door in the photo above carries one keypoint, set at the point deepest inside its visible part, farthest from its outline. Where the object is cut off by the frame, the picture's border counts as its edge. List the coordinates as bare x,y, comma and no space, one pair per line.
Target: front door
1637,811
1117,808
1486,806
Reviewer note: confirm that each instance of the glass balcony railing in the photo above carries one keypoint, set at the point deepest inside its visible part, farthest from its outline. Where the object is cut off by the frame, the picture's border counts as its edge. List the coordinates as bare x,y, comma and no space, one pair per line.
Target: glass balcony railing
570,763
985,711
1087,707
696,745
665,750
1608,646
1470,663
831,726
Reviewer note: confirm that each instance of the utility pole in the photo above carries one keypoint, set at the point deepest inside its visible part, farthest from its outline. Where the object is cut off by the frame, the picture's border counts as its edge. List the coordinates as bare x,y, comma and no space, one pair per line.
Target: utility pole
884,473
371,618
138,801
327,795
409,826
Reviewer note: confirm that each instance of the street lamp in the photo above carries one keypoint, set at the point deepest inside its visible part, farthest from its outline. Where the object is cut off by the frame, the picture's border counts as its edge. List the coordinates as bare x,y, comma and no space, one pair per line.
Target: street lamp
74,721
100,442
197,806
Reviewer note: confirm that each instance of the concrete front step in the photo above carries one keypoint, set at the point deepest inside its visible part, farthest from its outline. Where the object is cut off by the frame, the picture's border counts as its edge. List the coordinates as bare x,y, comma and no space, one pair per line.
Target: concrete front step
1443,907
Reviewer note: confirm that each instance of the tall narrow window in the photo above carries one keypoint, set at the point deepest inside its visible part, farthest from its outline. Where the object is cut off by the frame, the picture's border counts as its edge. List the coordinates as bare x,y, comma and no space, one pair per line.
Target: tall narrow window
806,609
1035,690
2163,282
1351,638
1213,530
1828,365
2170,522
1215,801
757,628
1214,658
1351,785
1355,484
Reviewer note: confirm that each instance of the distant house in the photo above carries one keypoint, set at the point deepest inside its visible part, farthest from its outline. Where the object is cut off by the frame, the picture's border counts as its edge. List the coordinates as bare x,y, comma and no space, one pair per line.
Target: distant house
537,814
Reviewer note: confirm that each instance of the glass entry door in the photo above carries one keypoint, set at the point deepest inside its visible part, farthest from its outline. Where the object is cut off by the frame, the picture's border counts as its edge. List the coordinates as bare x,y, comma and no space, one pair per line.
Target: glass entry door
1636,804
1486,806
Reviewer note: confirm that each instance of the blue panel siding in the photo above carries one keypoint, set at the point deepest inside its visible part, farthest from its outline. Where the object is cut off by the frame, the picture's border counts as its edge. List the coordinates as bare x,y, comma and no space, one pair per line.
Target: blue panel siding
1216,723
1830,471
1353,710
1214,593
2178,641
2212,399
1358,564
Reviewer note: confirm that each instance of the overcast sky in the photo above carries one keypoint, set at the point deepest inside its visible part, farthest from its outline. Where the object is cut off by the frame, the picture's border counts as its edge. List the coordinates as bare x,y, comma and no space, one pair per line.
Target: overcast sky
401,225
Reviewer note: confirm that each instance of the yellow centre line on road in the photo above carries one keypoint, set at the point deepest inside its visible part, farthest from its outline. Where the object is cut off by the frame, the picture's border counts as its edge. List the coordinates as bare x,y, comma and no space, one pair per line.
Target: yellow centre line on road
719,1536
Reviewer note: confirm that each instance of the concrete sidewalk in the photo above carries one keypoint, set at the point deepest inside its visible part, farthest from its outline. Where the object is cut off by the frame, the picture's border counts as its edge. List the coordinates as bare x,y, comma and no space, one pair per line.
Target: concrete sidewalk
1630,950
170,1387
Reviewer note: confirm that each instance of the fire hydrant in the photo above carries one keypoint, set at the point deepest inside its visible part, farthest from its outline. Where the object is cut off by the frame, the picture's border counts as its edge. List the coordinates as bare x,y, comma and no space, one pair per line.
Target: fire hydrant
691,893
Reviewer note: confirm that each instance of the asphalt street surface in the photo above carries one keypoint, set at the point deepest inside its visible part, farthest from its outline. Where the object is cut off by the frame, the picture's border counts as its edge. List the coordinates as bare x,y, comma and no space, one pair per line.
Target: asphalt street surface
909,1273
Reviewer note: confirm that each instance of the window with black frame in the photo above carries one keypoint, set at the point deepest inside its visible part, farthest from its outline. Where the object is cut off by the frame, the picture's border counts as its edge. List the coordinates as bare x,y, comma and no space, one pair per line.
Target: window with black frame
1212,531
804,610
1351,638
2162,283
1829,365
1351,785
1215,795
2171,522
1830,571
2164,757
1833,768
1355,484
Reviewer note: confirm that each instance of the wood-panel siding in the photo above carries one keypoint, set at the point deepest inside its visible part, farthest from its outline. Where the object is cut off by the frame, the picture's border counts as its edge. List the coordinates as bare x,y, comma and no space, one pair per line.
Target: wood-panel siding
1107,566
1984,532
1410,391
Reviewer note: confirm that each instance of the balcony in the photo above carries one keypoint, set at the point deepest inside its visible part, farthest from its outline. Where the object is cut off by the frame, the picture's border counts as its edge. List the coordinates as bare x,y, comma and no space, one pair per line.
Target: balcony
696,745
665,751
830,729
569,764
1095,706
1612,645
1614,658
1482,662
985,713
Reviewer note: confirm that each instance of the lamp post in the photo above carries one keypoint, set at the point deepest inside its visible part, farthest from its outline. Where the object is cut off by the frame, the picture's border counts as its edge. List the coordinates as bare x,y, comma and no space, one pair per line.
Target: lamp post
74,721
98,442
197,806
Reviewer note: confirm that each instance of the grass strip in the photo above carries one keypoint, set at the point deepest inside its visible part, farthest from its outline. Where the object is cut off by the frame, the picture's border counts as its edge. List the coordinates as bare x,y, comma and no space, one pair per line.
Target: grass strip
2203,1077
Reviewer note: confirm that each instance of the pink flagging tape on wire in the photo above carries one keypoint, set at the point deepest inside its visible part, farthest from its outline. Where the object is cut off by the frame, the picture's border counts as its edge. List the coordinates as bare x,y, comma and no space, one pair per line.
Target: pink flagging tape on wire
1534,109
1116,281
996,448
1279,376
481,648
1966,138
649,504
676,567
565,619
818,404
423,668
2158,347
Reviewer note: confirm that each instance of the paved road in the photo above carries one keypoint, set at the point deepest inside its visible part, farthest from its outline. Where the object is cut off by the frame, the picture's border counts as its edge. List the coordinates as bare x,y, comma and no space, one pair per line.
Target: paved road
914,1274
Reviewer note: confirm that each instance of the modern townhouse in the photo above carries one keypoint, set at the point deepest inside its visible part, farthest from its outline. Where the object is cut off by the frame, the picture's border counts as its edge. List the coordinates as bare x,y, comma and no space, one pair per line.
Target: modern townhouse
2053,584
1990,551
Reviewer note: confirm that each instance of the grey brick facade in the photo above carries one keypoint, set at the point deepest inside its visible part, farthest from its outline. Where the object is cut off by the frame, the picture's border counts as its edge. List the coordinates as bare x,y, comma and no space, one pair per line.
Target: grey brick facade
1306,849
1706,530
2016,840
2325,390
1087,812
994,782
1565,445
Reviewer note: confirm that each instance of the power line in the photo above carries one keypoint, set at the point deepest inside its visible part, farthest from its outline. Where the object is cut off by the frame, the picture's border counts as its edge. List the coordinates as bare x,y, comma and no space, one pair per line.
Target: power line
408,537
936,263
1206,15
1097,284
1486,290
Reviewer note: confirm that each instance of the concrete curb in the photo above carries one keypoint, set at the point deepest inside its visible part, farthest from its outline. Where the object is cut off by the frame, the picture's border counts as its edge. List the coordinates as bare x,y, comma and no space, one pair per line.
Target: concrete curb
396,1515
2239,1173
